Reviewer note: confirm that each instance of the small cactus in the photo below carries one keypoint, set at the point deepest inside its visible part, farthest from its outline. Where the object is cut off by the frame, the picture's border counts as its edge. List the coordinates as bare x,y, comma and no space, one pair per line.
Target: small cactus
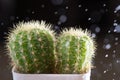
31,46
75,50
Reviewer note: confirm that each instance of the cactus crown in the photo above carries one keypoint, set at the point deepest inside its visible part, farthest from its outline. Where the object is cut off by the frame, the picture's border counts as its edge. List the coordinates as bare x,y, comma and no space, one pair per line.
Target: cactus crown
31,47
75,51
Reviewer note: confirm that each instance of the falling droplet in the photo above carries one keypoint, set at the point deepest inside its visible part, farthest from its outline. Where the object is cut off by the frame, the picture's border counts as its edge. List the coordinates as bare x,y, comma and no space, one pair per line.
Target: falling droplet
43,6
117,29
86,10
89,19
79,6
97,29
63,18
93,35
66,7
107,46
106,55
117,9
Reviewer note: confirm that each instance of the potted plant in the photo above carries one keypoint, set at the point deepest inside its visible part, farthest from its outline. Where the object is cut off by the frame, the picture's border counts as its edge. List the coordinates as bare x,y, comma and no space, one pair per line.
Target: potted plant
37,55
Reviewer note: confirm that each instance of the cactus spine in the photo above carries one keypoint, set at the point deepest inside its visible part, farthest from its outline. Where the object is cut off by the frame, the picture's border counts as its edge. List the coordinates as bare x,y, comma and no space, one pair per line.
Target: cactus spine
31,46
75,50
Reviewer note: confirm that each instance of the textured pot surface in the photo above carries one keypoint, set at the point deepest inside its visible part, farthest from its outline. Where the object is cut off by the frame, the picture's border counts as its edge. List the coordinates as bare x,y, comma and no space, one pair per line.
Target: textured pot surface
19,76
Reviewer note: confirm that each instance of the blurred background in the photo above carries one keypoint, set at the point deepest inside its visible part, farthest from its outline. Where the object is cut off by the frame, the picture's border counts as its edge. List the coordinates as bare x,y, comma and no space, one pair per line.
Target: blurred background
101,17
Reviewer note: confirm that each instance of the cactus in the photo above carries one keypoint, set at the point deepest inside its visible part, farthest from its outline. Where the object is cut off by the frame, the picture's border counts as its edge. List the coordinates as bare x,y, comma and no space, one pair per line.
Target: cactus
75,50
31,46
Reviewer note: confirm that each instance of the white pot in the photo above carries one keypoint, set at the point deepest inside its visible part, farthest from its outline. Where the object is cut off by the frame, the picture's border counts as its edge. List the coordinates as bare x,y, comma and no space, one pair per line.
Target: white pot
19,76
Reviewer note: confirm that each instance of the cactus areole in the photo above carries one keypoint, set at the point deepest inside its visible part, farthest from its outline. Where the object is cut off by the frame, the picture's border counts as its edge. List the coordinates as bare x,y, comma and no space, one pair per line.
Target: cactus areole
31,46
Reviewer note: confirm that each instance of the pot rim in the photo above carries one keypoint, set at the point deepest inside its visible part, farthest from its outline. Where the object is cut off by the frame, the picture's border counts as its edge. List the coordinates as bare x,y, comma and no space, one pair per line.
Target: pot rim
13,71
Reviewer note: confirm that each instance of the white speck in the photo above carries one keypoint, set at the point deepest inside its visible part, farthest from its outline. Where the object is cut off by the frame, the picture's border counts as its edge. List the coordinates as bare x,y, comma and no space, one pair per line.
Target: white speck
115,20
59,23
17,17
89,19
117,28
109,31
66,7
118,61
104,5
107,46
115,24
2,23
79,6
97,29
114,73
116,43
5,32
104,71
116,39
113,55
55,12
33,12
117,8
114,51
93,35
86,10
42,5
63,18
115,11
106,55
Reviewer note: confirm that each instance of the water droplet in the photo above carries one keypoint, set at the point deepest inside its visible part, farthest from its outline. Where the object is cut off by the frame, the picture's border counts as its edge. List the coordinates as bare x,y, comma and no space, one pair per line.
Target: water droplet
118,61
115,24
2,24
86,10
63,18
89,19
106,55
114,51
117,29
79,6
116,39
43,6
55,12
104,5
17,17
97,29
109,31
117,9
57,2
66,7
33,12
113,55
104,71
59,23
107,46
93,35
114,73
116,43
115,21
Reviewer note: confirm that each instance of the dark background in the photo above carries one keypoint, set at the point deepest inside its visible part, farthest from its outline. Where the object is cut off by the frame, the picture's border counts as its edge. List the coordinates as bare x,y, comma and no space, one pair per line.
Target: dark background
101,17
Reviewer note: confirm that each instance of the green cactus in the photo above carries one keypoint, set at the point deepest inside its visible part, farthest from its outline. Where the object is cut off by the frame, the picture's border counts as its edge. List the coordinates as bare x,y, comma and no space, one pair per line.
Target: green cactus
31,46
75,50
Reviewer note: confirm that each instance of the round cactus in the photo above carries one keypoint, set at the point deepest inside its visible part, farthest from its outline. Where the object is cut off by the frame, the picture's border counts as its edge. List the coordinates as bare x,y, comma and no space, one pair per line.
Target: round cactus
31,46
75,50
